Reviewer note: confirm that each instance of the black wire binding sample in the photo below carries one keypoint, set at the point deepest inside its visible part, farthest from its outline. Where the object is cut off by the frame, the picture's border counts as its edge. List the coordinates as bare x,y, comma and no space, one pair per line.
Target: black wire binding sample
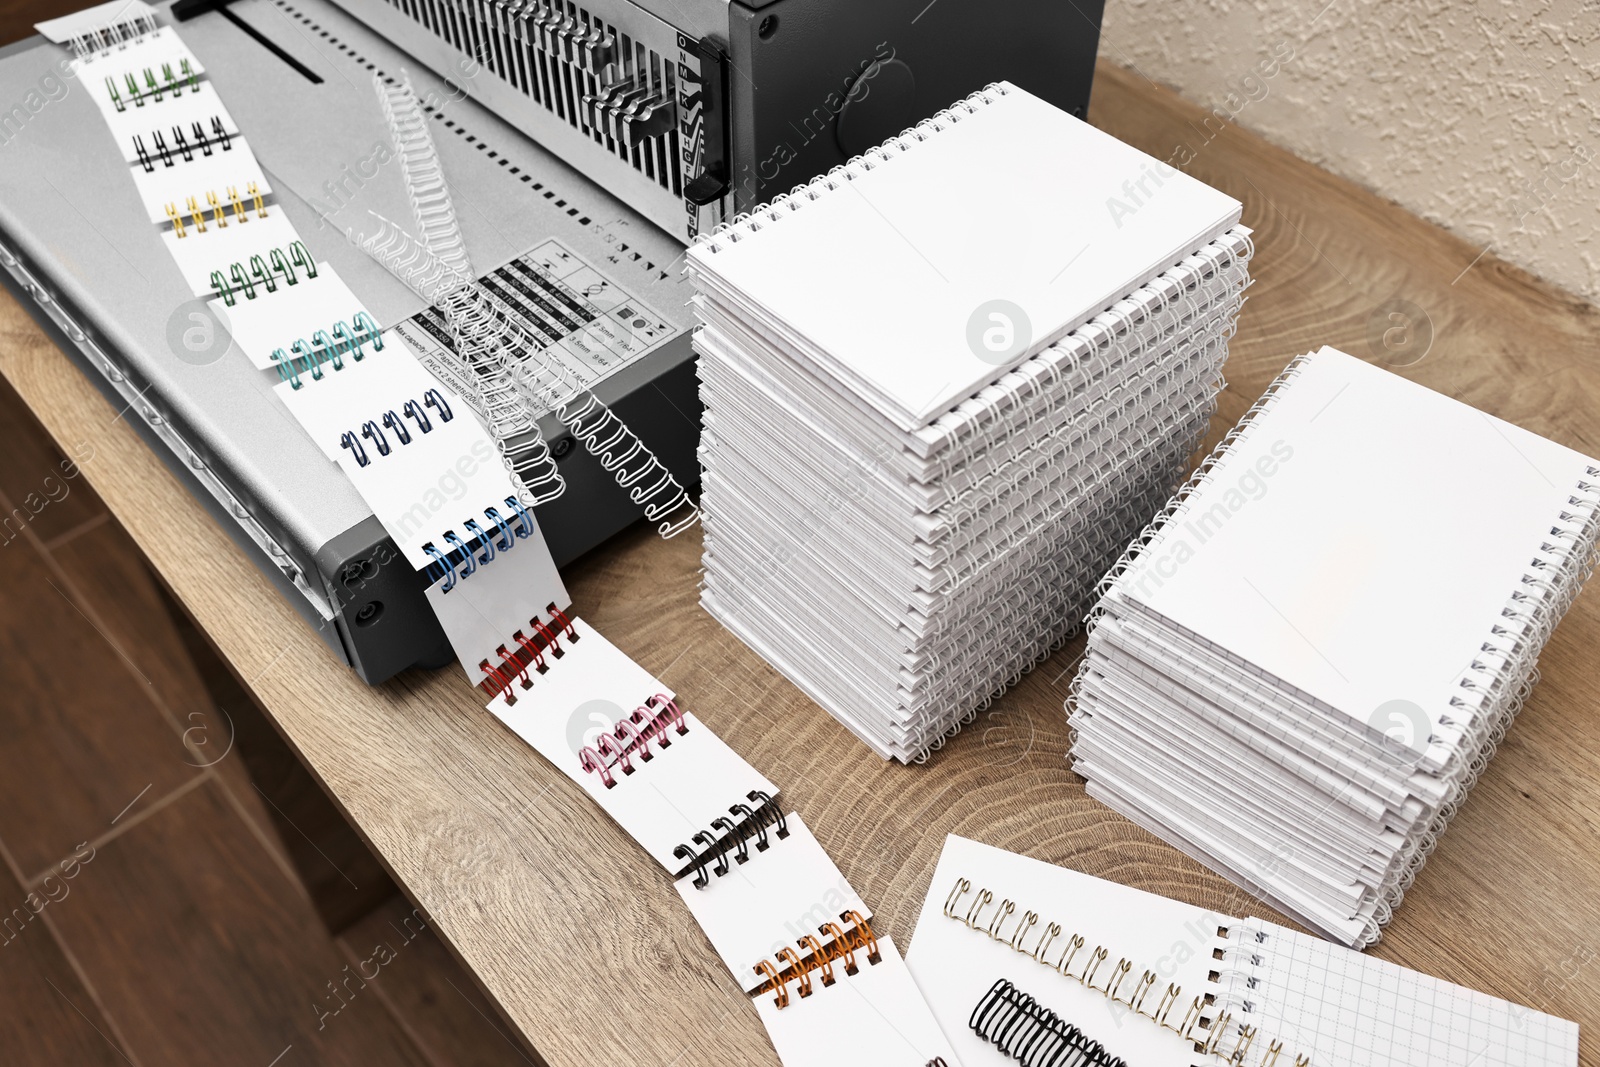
1032,1034
726,836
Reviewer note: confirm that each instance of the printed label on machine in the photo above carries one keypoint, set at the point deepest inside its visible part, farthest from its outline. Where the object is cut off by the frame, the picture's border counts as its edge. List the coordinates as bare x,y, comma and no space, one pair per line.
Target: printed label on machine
588,323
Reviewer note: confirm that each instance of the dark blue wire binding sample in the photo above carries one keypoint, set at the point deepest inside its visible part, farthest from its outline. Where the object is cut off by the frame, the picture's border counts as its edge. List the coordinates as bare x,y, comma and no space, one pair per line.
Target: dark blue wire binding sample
1032,1034
373,430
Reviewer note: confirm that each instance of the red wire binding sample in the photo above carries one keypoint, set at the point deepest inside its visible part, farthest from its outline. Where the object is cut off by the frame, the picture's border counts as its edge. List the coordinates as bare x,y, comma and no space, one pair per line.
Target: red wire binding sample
499,679
562,621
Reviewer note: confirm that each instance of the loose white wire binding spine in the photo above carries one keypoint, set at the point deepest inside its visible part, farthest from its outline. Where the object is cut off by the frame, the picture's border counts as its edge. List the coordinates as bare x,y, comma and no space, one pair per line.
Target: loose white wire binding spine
522,447
437,268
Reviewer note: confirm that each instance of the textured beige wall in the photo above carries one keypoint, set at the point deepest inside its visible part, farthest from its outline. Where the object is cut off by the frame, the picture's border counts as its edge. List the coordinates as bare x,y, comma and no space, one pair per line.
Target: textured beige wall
1483,117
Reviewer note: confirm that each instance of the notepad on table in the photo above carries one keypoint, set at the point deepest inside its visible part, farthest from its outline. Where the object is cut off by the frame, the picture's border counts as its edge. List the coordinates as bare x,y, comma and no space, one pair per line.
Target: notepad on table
1154,980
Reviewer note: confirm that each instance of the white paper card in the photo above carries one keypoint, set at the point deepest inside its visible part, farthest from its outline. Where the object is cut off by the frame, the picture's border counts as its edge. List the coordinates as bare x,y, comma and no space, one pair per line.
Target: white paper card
665,801
273,320
778,895
955,965
482,610
873,1018
63,29
198,254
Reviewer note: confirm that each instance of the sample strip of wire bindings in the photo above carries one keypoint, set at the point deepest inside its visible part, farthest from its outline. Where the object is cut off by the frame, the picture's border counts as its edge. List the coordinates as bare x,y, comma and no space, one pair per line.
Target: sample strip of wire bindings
786,923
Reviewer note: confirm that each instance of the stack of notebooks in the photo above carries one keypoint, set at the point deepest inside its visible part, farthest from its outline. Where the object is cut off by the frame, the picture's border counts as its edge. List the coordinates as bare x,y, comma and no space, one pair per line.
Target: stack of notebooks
943,385
1304,663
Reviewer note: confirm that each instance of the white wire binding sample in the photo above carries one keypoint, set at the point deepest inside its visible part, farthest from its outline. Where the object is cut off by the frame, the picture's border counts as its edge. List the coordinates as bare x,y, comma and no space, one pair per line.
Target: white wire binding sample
436,267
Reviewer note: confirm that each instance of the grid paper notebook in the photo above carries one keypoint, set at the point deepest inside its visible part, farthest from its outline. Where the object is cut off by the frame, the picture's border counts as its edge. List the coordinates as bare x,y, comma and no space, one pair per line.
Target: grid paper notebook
903,245
1235,989
1363,1012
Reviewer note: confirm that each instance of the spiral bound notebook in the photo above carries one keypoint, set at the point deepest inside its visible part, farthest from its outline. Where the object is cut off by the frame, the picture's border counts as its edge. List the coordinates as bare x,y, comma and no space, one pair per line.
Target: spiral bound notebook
1276,640
903,245
1159,983
943,384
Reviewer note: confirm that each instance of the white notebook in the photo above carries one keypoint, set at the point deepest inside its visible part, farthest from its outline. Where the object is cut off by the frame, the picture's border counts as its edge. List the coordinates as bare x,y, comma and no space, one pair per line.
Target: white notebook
1154,966
1366,625
877,269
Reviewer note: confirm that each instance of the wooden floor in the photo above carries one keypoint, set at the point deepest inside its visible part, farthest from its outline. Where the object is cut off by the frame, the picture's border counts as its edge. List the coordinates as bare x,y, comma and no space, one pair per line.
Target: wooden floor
153,908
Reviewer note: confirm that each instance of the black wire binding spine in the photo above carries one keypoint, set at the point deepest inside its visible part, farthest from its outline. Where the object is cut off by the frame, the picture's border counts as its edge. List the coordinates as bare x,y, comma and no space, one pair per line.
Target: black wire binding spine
726,836
1032,1034
181,145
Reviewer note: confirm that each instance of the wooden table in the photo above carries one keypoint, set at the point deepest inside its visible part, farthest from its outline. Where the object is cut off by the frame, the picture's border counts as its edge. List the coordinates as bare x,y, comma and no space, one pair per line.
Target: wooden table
581,938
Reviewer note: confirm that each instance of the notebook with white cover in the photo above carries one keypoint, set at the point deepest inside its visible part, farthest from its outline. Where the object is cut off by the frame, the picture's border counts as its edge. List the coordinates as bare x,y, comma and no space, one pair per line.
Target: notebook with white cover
1366,625
877,271
1134,971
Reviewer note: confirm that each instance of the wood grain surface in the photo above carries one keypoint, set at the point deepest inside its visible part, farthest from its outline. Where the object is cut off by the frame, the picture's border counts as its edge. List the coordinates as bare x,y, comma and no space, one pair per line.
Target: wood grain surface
581,939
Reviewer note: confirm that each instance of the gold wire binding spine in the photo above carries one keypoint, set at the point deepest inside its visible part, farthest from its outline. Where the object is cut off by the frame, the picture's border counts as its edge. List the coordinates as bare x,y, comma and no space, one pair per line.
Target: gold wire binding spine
1207,1034
197,213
